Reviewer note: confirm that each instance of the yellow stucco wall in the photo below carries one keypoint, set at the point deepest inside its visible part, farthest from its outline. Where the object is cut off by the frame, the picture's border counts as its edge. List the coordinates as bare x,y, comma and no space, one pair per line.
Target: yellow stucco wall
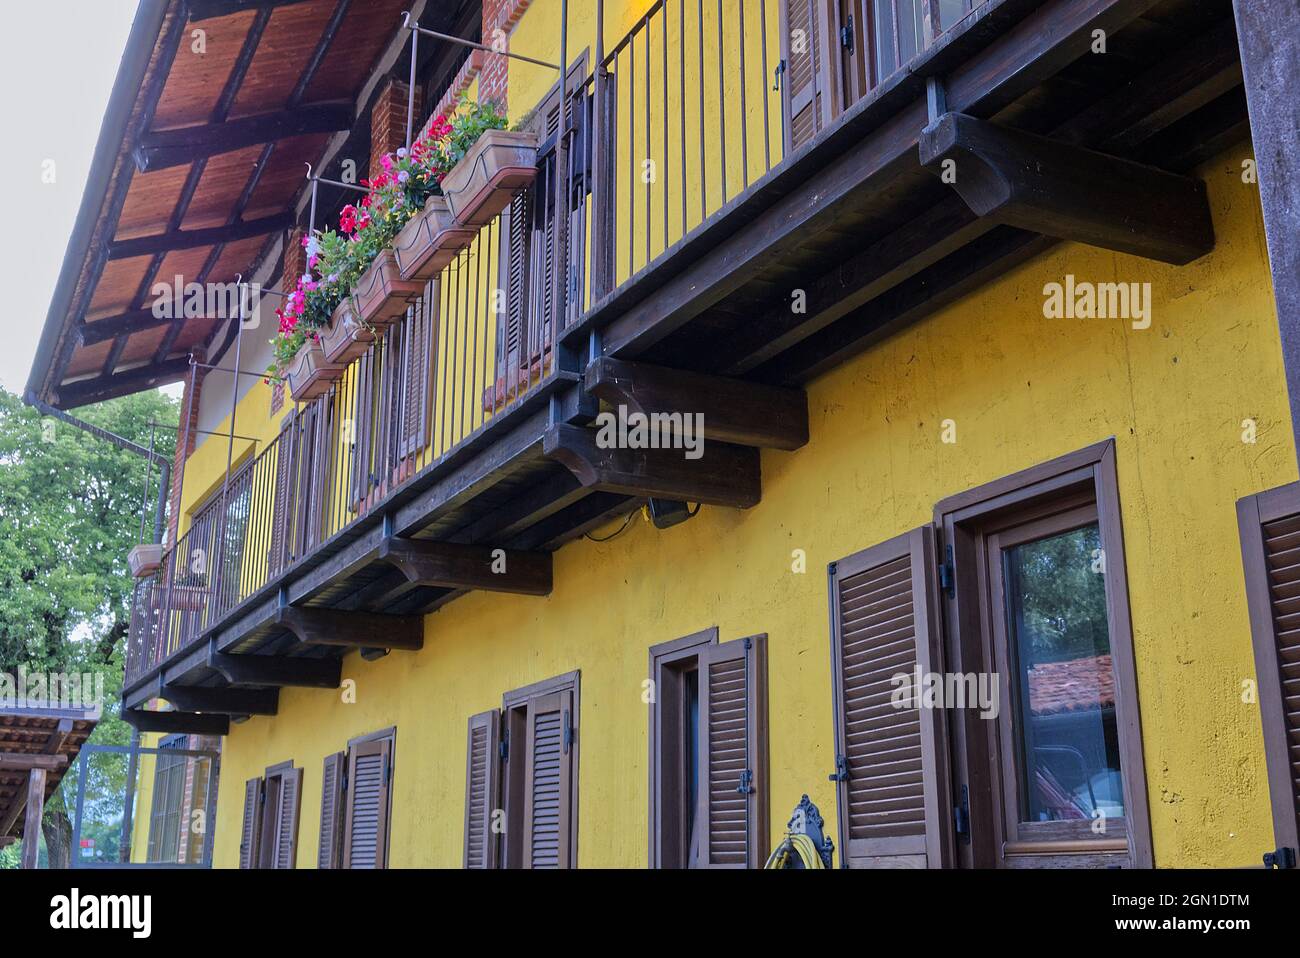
1022,389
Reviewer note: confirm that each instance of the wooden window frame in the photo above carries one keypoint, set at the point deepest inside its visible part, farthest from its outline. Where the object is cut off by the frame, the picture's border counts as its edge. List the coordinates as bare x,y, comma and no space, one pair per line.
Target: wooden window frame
1253,513
666,660
965,520
514,776
269,842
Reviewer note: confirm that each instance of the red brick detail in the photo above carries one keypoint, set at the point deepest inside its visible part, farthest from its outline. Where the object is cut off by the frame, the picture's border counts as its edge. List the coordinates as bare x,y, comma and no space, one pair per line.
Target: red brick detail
470,69
388,122
295,259
498,15
277,396
185,442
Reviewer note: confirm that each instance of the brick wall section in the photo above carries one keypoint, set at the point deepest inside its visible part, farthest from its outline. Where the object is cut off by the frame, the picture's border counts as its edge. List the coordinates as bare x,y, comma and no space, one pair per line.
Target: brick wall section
295,259
186,439
388,121
499,15
470,69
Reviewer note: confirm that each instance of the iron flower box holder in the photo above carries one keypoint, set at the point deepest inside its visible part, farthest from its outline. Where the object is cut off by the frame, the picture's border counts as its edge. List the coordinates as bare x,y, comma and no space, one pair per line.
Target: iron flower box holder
382,296
430,241
496,167
310,373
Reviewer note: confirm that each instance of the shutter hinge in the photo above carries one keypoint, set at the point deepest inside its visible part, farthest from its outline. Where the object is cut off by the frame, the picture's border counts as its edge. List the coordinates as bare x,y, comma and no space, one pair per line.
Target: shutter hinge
503,746
746,786
749,642
568,732
846,35
777,74
841,773
947,573
1280,858
961,817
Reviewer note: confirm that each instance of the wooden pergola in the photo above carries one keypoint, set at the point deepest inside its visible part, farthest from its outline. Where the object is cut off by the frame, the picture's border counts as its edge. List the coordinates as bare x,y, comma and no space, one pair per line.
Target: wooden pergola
38,744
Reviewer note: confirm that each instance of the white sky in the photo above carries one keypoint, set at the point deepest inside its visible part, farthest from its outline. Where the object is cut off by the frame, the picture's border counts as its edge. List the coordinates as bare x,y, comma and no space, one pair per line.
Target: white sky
58,68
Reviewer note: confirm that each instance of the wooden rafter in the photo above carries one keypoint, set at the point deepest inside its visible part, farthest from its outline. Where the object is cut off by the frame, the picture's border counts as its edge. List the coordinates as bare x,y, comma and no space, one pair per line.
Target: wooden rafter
276,671
190,239
226,701
165,148
449,565
355,630
195,723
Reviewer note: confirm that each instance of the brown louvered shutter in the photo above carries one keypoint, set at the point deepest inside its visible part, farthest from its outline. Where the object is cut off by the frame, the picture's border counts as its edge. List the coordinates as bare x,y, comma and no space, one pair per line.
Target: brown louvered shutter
286,832
365,830
331,805
891,761
805,87
482,789
548,782
363,429
281,506
1270,553
516,226
252,830
731,812
417,361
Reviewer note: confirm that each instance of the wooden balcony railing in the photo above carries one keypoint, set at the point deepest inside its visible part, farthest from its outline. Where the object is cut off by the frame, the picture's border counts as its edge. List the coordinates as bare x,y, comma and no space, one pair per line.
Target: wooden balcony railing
683,115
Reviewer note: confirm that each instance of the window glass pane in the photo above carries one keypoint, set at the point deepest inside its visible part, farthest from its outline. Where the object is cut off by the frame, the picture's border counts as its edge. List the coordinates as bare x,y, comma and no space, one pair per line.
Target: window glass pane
1068,752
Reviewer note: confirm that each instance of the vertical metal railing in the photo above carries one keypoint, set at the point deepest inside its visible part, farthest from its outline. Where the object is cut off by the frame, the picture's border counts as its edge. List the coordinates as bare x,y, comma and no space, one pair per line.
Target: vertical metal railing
679,118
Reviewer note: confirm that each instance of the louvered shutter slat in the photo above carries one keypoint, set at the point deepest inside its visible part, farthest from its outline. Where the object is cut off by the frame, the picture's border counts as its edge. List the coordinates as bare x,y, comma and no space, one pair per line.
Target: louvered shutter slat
330,805
884,623
482,789
252,829
548,782
366,828
286,836
1270,545
732,802
804,92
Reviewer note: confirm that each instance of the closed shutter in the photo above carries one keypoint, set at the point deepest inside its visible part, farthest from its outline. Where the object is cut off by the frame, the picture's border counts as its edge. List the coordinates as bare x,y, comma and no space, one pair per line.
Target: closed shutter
516,229
482,789
331,805
252,830
805,88
731,812
365,834
364,429
891,762
417,362
548,782
1270,551
288,808
282,507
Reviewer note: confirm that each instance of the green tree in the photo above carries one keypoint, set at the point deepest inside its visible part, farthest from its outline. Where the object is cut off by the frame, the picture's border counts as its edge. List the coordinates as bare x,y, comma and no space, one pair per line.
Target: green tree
70,510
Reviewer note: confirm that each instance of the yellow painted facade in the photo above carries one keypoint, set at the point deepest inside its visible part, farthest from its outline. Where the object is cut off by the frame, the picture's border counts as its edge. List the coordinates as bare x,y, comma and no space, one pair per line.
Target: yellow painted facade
1021,389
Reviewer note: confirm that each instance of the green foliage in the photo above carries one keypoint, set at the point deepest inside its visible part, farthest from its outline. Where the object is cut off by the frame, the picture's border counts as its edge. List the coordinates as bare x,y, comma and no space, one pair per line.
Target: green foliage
70,510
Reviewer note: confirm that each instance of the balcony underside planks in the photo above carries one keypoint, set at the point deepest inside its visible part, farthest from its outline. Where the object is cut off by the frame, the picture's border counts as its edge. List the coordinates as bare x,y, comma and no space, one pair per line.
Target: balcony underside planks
904,244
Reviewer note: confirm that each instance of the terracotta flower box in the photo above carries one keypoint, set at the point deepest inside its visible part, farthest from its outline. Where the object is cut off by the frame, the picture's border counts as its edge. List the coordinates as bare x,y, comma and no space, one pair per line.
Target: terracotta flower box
310,373
430,241
143,560
497,166
382,295
348,337
181,598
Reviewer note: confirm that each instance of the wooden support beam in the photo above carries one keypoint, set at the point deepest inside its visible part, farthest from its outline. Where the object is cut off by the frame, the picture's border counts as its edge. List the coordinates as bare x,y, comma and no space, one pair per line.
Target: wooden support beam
126,324
725,475
26,761
86,391
735,411
275,671
169,722
354,630
1046,186
32,819
164,148
226,701
59,737
191,239
450,565
208,9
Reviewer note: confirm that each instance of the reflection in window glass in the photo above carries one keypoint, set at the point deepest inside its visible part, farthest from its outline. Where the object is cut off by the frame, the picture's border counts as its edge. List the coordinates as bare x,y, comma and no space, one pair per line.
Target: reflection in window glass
1064,683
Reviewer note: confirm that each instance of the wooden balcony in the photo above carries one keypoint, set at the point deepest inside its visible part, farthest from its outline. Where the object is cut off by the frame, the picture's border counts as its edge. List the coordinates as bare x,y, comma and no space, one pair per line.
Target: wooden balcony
658,273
